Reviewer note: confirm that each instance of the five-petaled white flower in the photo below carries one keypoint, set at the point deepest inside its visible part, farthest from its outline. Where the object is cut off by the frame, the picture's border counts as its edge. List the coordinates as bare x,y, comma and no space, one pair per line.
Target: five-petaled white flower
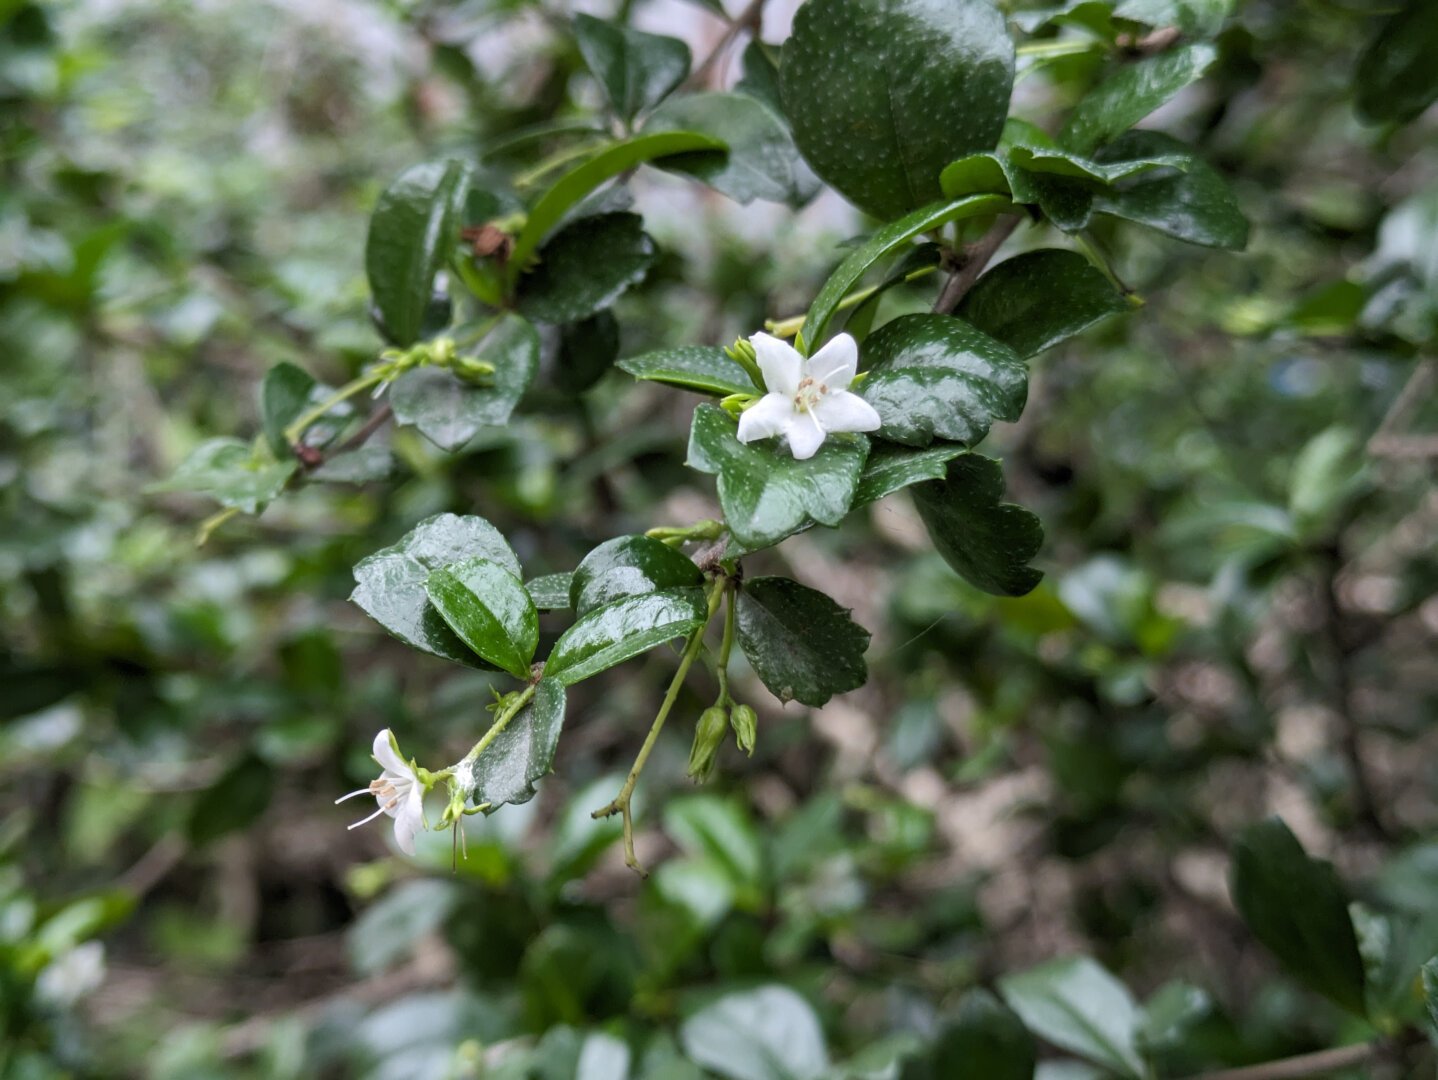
398,791
808,398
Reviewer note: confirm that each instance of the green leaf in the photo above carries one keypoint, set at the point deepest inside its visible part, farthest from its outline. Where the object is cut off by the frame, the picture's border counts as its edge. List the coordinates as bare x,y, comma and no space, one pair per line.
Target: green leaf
488,609
1397,79
629,566
624,629
287,391
579,182
230,472
882,94
891,467
984,1041
761,75
506,771
637,70
766,1034
233,802
1038,299
1195,205
802,645
1078,1006
1430,988
414,228
450,411
766,494
720,831
1295,905
550,592
1131,93
587,350
586,267
705,369
935,376
390,584
988,542
882,243
762,162
1201,17
1170,1014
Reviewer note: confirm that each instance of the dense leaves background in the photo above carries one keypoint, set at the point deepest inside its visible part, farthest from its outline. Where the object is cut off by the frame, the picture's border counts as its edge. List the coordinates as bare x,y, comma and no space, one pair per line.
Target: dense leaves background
1038,831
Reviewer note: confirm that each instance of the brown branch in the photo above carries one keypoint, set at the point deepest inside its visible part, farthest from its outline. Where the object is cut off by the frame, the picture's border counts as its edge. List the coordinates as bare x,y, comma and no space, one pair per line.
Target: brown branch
312,457
749,19
1324,1061
976,256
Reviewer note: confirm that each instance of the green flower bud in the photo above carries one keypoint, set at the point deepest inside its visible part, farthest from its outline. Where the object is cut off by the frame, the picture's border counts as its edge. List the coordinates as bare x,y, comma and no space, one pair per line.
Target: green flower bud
472,371
745,722
708,737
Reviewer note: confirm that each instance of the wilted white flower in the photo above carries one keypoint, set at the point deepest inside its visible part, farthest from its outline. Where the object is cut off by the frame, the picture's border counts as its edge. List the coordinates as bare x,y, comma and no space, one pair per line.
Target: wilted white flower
808,397
398,791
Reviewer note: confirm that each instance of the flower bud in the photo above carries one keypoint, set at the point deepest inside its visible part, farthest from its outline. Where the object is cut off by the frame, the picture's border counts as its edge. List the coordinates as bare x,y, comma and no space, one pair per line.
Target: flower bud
475,372
708,737
745,722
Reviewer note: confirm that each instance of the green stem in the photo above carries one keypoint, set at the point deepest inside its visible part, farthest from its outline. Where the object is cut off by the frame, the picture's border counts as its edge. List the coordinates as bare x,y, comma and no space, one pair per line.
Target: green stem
621,803
726,646
500,723
211,523
1057,48
789,327
296,431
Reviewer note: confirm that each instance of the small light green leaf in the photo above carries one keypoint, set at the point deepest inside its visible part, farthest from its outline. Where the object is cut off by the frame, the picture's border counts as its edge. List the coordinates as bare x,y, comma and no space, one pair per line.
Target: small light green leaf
637,70
765,493
884,242
230,472
891,467
988,542
523,753
586,267
762,162
1295,905
488,609
629,566
766,1034
1131,93
1195,205
1038,299
802,645
624,629
390,584
412,232
1397,79
705,369
935,376
1077,1005
450,411
882,94
550,592
984,1041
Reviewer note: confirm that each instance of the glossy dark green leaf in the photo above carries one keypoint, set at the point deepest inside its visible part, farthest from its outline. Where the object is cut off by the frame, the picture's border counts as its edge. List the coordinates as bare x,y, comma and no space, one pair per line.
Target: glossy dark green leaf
629,566
550,592
1195,205
765,493
232,473
1038,299
760,78
1296,906
770,1033
448,410
586,267
762,162
892,467
1131,93
574,185
506,771
234,801
883,243
390,584
987,541
1397,78
705,369
412,232
882,94
287,391
1077,1005
802,645
489,610
936,377
624,629
587,350
984,1041
1201,17
637,70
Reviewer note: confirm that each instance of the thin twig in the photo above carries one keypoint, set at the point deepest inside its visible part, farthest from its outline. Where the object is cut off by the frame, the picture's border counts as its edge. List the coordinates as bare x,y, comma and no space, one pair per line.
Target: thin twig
1384,442
375,421
751,19
976,257
1324,1061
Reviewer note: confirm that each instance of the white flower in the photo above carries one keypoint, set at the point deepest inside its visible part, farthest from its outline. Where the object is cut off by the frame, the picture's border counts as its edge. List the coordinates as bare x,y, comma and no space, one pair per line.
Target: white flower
808,398
397,790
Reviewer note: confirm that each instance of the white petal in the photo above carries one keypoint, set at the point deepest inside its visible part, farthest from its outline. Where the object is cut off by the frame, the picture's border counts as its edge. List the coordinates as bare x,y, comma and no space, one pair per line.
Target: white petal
384,753
836,364
409,820
780,363
839,410
766,417
805,436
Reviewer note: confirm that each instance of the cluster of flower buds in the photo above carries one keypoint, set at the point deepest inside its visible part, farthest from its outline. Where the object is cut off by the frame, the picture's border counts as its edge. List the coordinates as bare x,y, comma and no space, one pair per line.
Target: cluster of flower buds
714,726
